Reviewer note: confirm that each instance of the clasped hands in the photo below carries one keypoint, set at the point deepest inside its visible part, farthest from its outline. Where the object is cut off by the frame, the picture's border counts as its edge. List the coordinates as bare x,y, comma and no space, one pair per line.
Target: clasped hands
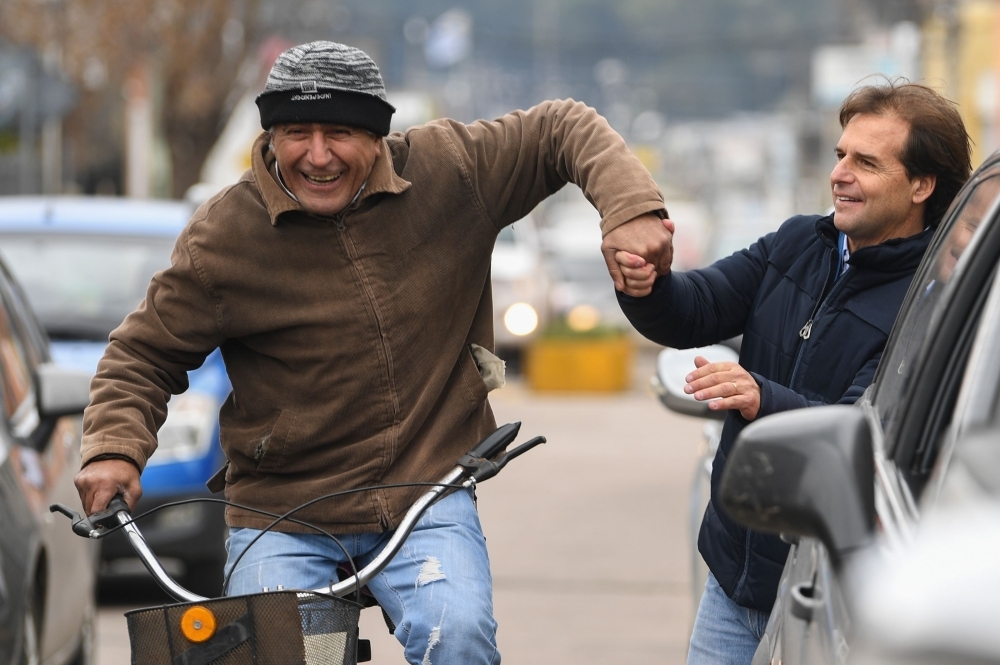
638,252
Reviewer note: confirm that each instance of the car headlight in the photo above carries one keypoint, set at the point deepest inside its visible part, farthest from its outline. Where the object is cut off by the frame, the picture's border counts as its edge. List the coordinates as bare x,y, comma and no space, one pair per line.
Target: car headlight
188,429
520,319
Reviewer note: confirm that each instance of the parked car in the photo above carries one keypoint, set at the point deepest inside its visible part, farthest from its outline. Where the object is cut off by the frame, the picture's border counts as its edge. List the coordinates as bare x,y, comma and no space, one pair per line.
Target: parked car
520,288
47,573
85,264
871,496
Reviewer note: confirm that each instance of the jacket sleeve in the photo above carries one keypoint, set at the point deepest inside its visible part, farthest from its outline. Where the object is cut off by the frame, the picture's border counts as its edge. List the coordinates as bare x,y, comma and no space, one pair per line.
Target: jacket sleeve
775,397
517,160
147,360
703,306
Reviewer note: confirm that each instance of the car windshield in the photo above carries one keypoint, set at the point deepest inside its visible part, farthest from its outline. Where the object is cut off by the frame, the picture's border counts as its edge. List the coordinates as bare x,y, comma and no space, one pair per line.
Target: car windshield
925,308
83,287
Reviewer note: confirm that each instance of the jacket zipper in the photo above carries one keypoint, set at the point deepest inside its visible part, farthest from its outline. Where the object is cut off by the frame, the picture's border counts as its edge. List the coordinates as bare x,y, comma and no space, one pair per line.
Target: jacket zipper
806,332
338,220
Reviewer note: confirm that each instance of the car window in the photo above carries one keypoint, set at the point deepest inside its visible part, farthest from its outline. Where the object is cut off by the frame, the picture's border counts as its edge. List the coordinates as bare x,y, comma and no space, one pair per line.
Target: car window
18,398
926,305
83,287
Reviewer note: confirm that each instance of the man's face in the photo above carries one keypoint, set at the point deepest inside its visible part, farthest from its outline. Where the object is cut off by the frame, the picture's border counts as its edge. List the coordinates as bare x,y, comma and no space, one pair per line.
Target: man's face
324,165
873,197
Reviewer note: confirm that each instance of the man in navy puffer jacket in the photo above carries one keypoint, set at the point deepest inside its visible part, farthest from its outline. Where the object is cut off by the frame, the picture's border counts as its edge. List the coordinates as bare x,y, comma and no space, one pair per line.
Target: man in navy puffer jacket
815,302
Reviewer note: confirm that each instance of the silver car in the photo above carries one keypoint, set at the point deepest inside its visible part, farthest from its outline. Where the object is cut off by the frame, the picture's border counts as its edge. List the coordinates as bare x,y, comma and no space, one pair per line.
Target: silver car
47,573
889,504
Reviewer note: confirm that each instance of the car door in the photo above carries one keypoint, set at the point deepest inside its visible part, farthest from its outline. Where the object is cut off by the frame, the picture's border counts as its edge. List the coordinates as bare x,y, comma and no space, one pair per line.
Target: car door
910,408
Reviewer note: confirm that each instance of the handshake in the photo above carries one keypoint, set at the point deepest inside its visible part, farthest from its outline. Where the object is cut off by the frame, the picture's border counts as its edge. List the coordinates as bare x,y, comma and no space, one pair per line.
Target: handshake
637,252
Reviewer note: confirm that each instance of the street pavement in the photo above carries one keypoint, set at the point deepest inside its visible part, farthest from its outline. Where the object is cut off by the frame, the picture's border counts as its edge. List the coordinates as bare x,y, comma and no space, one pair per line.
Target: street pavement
587,535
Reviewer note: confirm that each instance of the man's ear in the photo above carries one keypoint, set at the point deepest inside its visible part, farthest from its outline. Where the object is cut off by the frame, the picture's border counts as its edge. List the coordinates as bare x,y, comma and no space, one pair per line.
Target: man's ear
922,187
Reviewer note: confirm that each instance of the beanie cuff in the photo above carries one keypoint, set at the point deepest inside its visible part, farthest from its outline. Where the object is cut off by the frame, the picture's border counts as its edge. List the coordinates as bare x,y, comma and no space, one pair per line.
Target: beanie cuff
336,107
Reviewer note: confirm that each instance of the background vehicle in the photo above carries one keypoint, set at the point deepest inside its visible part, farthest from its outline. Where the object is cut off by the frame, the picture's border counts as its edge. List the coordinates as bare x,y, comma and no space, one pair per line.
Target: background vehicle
85,264
874,482
520,288
46,574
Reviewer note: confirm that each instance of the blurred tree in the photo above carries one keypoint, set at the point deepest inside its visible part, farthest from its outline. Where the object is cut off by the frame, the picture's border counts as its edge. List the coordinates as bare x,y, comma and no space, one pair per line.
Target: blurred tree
193,48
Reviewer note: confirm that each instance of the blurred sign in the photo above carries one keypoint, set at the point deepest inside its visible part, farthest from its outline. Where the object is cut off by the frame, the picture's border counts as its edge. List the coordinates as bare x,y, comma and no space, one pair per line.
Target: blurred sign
450,39
838,69
26,89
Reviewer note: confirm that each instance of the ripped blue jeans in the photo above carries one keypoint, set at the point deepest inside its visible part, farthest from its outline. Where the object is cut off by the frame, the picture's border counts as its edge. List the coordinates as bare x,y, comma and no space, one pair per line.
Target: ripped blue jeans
437,590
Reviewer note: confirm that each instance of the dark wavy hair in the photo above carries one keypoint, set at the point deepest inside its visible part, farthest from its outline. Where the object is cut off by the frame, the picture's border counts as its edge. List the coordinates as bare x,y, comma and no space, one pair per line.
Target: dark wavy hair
938,143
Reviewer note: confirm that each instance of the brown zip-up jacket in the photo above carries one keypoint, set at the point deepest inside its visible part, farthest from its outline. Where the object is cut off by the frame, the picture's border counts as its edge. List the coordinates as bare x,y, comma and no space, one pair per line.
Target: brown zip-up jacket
347,339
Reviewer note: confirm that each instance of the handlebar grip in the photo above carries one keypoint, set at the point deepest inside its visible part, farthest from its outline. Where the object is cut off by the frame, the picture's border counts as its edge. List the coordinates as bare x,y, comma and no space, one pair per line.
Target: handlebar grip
497,441
105,519
118,503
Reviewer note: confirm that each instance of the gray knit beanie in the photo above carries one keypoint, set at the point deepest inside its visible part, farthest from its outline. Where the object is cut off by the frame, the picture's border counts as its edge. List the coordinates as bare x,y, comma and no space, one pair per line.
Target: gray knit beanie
325,82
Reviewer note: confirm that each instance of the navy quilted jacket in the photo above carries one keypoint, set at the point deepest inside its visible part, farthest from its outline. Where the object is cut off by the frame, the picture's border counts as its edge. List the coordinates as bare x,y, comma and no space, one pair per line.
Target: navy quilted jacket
772,293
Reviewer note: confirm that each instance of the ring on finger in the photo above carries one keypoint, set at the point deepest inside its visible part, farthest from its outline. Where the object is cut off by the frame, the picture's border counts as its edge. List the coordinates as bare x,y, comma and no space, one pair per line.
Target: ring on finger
736,388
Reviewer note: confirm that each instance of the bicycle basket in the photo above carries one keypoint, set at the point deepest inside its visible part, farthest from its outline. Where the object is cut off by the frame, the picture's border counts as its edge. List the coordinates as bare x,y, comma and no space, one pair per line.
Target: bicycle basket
275,628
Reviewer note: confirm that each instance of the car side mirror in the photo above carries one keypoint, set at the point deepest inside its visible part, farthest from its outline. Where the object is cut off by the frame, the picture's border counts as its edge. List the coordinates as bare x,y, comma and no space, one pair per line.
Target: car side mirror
808,472
672,365
61,391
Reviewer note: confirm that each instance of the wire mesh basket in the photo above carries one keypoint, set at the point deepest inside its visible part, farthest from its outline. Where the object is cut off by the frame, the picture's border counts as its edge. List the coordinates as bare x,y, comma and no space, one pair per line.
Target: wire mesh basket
275,628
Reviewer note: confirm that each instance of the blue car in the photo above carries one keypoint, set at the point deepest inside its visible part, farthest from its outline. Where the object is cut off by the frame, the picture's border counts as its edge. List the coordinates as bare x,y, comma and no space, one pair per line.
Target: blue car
84,264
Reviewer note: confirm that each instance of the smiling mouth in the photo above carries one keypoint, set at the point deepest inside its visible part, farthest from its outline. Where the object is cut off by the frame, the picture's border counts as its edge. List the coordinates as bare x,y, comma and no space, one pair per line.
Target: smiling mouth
321,179
847,199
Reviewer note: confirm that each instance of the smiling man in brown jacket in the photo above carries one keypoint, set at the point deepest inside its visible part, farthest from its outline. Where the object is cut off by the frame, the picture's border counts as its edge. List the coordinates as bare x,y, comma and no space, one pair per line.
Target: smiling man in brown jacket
346,278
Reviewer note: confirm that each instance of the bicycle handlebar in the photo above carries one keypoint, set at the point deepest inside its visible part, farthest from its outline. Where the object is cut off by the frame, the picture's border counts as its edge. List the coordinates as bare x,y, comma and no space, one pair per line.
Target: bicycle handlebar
483,462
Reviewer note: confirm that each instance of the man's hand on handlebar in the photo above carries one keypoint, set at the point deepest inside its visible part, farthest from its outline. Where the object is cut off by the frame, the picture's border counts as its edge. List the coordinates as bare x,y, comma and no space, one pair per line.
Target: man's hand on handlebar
100,481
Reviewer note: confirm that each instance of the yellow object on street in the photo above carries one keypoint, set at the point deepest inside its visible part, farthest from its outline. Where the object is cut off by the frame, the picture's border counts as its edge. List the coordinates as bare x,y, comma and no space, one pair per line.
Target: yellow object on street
585,365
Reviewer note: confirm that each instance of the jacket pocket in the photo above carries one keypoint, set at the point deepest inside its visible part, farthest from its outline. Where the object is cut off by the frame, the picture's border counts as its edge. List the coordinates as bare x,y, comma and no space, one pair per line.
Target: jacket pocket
472,377
269,450
491,369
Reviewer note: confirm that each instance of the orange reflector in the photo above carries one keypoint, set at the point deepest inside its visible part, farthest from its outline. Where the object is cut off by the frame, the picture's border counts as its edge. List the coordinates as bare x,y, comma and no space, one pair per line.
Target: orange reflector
198,624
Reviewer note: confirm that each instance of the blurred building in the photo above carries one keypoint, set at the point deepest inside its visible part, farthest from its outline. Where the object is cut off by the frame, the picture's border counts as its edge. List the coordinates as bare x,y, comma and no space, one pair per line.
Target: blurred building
158,82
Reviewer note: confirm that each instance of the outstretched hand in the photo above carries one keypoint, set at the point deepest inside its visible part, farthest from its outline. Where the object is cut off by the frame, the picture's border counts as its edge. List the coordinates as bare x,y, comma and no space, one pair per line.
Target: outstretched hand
644,244
727,384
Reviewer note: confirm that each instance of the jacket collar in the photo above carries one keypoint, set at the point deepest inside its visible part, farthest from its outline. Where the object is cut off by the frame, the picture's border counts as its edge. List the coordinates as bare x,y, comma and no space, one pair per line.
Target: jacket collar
898,254
383,180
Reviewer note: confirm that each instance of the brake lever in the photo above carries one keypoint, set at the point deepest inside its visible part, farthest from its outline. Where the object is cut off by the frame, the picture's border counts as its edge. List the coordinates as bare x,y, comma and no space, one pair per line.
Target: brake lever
483,469
95,525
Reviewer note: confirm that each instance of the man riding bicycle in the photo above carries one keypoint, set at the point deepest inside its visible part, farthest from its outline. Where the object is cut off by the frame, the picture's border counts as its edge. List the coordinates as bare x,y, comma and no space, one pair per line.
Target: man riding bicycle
346,279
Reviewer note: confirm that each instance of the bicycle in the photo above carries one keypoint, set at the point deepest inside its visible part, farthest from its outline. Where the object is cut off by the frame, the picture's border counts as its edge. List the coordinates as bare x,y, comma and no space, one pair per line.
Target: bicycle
280,626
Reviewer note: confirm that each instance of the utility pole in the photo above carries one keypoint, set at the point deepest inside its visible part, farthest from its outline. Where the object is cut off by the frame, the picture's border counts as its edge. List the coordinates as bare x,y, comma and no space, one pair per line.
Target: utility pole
545,33
52,142
27,127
